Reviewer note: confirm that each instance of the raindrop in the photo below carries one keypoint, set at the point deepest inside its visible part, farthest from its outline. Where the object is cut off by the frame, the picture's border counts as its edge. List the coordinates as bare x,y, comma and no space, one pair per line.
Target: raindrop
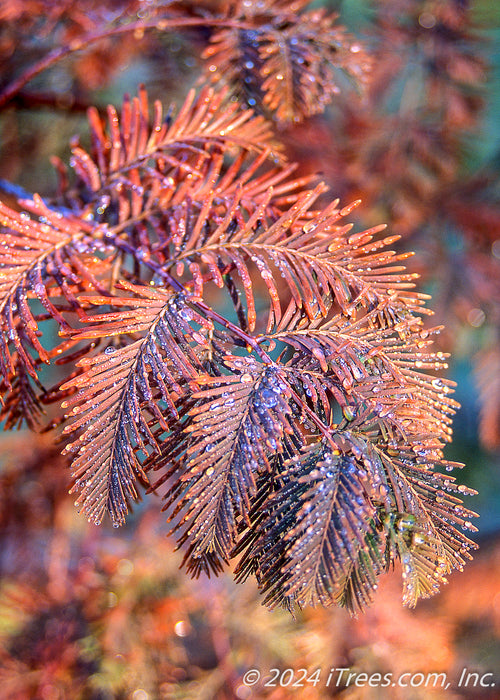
349,413
186,314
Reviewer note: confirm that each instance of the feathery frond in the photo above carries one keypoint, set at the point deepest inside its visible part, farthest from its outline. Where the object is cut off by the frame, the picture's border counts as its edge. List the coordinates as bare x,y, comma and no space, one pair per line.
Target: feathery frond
21,400
164,148
119,396
286,64
51,260
217,462
270,366
340,517
315,257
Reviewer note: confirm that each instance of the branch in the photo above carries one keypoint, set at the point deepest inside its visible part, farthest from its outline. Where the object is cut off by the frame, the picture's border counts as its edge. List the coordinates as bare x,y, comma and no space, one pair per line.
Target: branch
59,101
84,42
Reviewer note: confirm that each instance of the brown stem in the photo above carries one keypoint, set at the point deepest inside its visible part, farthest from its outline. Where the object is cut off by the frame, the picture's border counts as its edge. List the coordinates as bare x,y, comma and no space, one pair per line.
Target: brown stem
78,44
249,339
323,428
63,102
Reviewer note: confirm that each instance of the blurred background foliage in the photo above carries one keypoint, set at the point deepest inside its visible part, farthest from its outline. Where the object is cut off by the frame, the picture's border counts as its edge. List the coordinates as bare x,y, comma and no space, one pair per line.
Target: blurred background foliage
99,613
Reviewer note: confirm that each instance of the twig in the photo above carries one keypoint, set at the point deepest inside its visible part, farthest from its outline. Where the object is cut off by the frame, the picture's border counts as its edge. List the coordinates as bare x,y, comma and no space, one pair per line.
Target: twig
61,101
162,24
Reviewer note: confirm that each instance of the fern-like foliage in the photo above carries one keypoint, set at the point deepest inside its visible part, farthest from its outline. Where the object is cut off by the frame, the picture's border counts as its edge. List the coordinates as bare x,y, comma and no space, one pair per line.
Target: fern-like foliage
284,61
51,256
116,386
247,355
